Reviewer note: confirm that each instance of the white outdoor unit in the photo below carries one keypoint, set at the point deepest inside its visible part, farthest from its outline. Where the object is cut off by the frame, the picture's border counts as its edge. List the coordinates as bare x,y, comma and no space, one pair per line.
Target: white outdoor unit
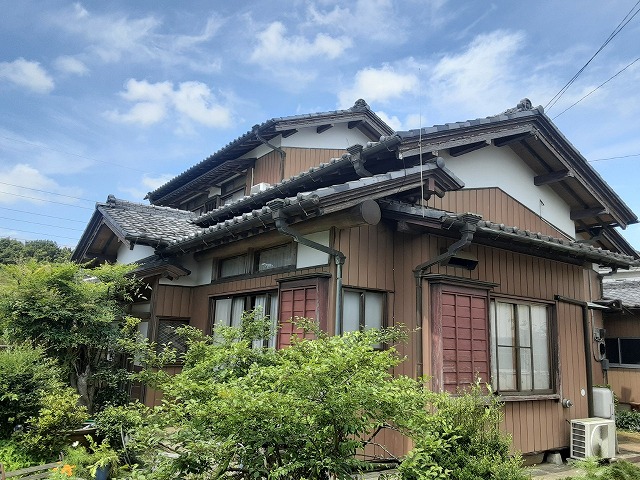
593,437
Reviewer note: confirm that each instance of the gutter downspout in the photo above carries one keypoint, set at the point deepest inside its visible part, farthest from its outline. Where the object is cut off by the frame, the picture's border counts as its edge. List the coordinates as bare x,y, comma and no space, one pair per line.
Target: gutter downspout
467,231
587,345
282,153
339,257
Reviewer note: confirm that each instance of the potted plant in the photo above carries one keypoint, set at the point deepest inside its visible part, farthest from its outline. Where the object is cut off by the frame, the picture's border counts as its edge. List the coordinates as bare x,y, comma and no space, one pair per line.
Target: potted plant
105,459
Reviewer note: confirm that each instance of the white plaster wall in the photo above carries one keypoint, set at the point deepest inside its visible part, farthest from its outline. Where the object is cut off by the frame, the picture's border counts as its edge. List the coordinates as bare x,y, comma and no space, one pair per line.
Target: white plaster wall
502,168
125,255
310,257
200,272
339,136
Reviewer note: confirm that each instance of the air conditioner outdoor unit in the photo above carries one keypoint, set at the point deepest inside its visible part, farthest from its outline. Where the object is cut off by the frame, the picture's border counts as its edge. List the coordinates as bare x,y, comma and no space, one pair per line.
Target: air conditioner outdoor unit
593,437
259,187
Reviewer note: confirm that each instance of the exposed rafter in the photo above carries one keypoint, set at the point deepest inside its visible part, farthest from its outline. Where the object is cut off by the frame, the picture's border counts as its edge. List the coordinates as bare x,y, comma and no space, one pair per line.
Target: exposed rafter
462,149
552,177
323,128
588,212
504,141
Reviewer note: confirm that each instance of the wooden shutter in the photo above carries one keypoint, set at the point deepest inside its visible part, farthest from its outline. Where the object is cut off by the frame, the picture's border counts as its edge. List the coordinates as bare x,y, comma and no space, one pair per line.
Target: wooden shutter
305,299
461,337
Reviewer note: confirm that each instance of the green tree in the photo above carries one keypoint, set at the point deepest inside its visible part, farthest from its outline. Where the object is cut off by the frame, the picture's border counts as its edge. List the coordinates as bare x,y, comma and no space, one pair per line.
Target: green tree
35,402
14,251
75,314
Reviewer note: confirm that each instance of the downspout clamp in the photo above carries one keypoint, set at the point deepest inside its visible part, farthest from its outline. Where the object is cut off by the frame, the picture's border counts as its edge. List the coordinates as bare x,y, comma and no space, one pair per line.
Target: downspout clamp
339,257
467,229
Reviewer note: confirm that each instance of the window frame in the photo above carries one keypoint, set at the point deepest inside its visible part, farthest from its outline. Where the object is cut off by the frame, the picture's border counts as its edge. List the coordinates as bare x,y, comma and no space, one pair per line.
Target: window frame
183,321
251,259
249,300
552,356
619,364
362,308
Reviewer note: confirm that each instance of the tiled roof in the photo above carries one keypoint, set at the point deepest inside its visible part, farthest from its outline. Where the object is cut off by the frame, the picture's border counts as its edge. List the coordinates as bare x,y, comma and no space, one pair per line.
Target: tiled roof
622,285
535,241
627,290
249,141
149,223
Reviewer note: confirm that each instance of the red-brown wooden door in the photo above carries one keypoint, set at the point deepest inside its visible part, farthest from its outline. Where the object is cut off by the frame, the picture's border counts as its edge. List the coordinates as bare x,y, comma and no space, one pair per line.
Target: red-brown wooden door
461,337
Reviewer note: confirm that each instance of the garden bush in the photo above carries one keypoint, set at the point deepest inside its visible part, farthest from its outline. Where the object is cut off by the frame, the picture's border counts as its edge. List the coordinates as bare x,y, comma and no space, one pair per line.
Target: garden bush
628,420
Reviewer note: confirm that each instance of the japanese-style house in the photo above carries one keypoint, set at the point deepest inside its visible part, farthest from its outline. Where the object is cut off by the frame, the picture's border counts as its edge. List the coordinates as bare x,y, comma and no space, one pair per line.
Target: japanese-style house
482,237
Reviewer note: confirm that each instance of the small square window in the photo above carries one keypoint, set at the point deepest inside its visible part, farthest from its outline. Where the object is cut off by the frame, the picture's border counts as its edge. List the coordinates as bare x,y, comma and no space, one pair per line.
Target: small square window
167,336
271,258
362,309
233,266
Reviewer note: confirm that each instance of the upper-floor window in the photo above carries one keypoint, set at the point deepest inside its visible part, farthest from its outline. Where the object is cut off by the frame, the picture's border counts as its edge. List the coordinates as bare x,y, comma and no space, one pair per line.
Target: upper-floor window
232,190
257,261
520,347
277,257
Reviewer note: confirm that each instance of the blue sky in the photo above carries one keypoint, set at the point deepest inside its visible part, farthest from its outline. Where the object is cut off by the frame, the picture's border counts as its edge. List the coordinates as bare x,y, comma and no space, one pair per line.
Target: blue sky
117,97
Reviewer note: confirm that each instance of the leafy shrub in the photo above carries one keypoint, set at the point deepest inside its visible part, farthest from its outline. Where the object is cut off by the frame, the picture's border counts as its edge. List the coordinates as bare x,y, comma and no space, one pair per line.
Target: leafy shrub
25,375
14,456
593,470
115,422
461,439
628,420
47,434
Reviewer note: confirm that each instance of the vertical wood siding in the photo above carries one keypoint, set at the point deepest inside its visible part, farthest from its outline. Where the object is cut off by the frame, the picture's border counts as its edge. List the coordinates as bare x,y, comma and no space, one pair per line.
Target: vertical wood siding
173,301
625,382
302,159
495,205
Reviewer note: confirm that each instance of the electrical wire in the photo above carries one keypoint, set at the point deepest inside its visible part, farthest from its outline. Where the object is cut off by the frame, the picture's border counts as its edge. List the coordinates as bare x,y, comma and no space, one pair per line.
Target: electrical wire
43,215
601,85
623,23
44,200
615,158
41,224
50,193
38,233
33,144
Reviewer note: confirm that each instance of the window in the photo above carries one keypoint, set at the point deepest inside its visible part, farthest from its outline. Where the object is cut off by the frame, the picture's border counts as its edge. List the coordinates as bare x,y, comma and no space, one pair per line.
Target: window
277,257
520,353
167,336
228,311
623,351
233,266
362,310
232,190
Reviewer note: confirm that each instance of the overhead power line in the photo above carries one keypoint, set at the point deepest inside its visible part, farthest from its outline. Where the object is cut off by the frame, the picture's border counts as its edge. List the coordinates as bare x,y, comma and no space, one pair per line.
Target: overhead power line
44,147
37,233
623,23
614,158
45,200
43,215
50,193
41,224
601,85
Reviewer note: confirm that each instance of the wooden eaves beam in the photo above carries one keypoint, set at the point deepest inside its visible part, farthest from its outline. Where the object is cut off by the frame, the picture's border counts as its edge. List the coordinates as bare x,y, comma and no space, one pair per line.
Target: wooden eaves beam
323,128
587,212
462,149
504,141
552,177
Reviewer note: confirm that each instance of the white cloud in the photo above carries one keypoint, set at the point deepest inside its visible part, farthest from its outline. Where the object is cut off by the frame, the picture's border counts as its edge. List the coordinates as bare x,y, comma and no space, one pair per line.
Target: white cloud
483,75
153,102
71,65
391,120
35,185
378,85
148,184
274,46
27,74
113,37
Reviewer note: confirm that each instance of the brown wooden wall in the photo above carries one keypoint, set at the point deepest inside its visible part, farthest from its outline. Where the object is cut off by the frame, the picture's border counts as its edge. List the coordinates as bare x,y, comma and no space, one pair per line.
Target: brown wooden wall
494,205
172,301
625,382
269,168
